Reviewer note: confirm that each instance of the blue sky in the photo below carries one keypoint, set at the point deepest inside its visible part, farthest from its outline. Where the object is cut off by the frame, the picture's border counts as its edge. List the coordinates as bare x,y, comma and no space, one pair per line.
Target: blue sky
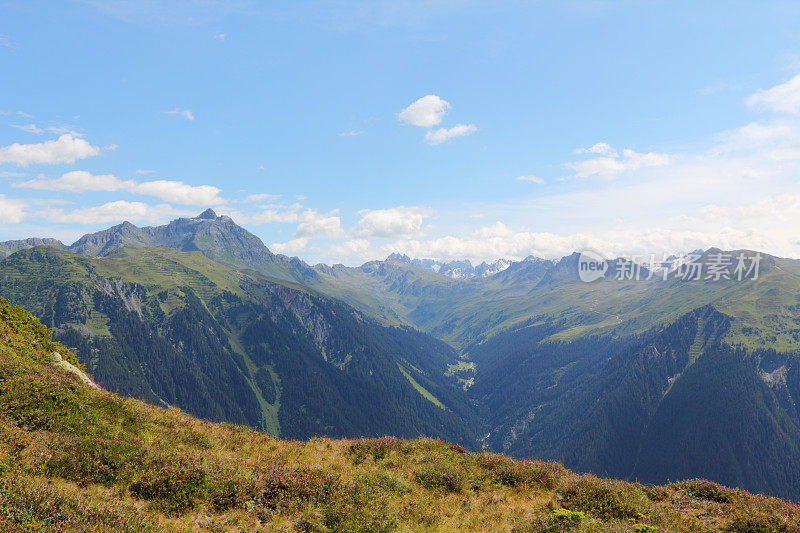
341,131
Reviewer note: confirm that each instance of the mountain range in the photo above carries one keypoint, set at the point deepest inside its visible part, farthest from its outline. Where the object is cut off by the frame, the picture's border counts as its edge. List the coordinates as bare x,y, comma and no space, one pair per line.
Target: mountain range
652,379
456,269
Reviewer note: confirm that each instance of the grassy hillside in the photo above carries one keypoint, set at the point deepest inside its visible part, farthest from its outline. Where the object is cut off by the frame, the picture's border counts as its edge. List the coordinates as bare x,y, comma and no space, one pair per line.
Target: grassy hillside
77,459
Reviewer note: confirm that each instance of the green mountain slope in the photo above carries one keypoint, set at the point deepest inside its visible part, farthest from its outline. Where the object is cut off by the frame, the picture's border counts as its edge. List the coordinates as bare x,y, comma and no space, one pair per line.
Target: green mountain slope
672,402
73,458
175,328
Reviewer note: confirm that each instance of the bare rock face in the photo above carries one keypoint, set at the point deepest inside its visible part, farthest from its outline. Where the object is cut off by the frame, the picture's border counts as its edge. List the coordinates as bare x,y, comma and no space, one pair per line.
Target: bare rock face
72,369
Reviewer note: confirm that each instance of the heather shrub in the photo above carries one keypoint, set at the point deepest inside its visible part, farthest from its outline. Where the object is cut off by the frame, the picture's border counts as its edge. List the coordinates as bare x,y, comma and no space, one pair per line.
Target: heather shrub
173,485
226,491
375,448
760,524
656,494
32,506
357,508
601,499
285,486
384,482
705,490
519,473
440,479
96,460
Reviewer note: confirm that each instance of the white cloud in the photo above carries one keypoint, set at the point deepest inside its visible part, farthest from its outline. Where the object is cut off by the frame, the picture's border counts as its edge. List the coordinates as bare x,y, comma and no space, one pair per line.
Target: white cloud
262,197
497,230
314,223
531,179
180,193
269,216
292,247
185,113
28,128
351,133
598,149
20,113
425,112
145,172
76,181
10,174
783,98
169,191
755,131
391,223
775,139
117,211
5,42
350,248
11,211
444,134
65,149
62,129
614,164
481,248
220,36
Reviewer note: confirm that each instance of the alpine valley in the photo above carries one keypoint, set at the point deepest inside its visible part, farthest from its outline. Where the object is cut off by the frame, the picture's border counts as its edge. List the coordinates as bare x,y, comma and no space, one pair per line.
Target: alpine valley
644,380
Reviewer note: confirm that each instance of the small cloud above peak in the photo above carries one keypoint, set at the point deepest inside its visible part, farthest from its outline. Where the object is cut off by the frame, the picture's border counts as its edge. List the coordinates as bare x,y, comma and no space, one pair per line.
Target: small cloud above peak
185,113
598,149
531,179
262,197
65,149
425,112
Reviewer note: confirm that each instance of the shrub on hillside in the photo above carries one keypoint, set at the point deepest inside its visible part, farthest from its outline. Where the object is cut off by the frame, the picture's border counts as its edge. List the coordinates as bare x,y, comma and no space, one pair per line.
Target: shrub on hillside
375,448
601,499
440,479
520,473
173,484
705,490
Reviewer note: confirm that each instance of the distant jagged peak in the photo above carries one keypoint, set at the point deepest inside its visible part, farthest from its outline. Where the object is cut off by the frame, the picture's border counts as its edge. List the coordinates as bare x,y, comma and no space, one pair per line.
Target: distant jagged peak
456,269
128,226
400,258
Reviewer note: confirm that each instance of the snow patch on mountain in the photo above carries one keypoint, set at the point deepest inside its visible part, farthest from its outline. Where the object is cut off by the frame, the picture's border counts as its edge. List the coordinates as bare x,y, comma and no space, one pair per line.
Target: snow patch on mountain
463,269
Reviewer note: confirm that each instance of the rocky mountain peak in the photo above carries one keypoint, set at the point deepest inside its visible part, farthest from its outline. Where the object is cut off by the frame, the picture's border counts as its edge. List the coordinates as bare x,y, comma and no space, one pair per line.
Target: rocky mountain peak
208,214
